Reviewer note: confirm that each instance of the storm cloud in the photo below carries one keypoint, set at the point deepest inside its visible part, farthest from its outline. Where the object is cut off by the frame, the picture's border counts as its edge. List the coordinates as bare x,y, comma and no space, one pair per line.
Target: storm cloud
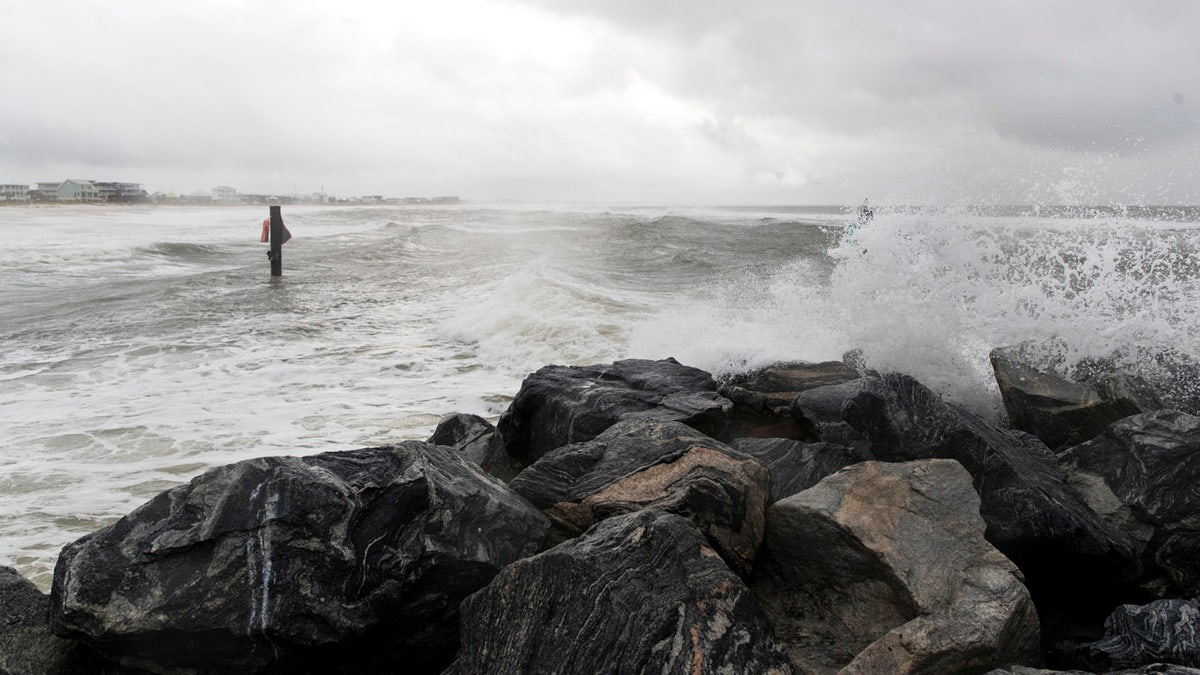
709,101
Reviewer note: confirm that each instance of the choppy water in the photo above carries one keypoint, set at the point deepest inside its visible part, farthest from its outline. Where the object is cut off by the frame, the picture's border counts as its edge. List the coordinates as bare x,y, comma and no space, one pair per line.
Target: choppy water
141,346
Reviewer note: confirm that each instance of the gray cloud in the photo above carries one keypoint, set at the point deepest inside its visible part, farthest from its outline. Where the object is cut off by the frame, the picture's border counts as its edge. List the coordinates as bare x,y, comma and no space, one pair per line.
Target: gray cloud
713,100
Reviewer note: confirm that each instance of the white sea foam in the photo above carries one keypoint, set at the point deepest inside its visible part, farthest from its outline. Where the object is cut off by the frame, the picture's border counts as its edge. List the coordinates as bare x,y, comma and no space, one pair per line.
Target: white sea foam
139,347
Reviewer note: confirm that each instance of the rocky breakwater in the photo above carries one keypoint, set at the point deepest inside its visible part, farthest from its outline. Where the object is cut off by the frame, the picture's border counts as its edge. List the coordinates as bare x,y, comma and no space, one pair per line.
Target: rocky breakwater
642,517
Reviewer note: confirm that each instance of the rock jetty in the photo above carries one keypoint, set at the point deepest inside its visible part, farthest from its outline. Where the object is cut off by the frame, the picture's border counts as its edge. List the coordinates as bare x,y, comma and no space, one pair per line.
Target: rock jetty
642,517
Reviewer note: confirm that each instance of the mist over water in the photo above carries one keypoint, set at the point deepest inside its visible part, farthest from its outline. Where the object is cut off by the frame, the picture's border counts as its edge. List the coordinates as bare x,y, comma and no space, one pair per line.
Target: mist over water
141,346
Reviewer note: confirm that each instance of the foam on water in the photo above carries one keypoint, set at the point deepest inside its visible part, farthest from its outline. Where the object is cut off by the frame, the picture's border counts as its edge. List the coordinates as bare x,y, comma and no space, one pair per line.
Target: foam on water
931,292
140,347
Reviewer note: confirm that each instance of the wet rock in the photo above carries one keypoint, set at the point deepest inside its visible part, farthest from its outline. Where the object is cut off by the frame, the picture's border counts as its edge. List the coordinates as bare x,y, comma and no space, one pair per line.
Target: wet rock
797,466
1061,411
788,379
1026,501
1166,631
1141,475
640,593
1153,669
559,405
478,441
883,568
27,646
762,398
1077,566
297,563
640,463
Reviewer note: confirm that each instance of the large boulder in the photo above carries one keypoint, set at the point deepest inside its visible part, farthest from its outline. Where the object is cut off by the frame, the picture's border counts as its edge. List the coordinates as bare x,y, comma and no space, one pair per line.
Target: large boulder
1165,631
559,405
797,466
762,398
1061,411
883,568
1077,566
640,463
1141,475
478,441
1152,669
1026,502
340,562
639,593
27,647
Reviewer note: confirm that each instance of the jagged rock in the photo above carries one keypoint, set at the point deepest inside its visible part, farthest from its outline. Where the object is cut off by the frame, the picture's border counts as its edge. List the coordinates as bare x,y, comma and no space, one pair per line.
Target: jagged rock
639,463
559,405
1141,475
1061,411
1026,501
790,378
478,441
1153,669
27,646
883,568
639,593
762,398
797,466
1166,631
1077,566
285,562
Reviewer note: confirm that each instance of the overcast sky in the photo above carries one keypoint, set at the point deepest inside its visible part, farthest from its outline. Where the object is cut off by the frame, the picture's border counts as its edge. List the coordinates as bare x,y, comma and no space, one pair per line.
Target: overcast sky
696,101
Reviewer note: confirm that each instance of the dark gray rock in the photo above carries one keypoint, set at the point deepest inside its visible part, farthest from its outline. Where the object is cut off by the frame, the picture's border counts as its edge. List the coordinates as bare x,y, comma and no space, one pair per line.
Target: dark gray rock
27,647
640,463
1153,669
560,405
297,563
639,593
762,398
1026,501
883,568
790,378
1142,475
1061,411
478,441
1077,566
1166,631
797,466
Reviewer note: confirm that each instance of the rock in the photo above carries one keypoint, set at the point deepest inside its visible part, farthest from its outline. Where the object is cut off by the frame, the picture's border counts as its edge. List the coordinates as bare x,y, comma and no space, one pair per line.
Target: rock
286,562
1153,669
1063,412
1166,631
478,441
1026,501
638,593
1077,566
762,398
559,405
797,466
883,568
27,646
790,378
640,463
1141,475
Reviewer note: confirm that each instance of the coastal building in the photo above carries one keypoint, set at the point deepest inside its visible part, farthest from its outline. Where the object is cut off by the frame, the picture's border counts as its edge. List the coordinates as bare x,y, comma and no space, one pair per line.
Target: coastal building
14,192
45,192
225,195
72,190
121,192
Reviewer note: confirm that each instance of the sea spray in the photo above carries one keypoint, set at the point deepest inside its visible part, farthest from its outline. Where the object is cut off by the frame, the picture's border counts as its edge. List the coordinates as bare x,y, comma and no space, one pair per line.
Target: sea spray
142,346
931,292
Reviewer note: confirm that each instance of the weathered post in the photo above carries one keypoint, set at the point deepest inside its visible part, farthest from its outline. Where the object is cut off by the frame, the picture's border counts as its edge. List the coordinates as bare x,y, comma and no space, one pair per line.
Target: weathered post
276,254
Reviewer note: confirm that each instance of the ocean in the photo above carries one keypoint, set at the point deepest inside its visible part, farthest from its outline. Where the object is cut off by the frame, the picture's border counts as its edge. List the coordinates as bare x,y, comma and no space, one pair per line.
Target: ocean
140,346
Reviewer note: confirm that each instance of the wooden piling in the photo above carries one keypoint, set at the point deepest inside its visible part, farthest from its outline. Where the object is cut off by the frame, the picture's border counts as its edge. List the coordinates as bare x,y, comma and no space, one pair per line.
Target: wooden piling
276,241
